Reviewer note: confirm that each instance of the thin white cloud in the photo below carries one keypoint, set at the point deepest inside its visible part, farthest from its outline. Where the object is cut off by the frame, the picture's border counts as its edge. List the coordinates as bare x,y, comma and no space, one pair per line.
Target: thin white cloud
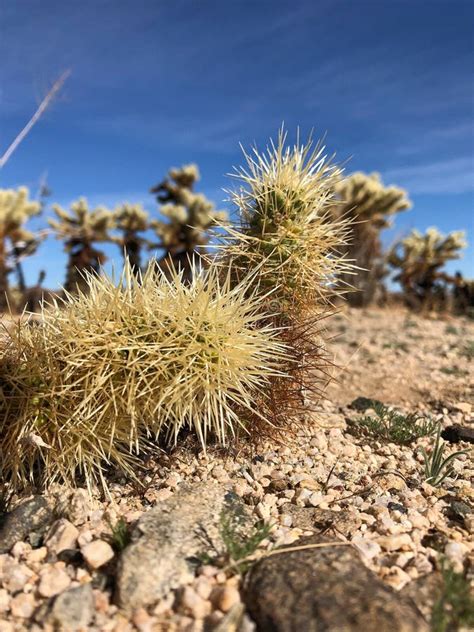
446,176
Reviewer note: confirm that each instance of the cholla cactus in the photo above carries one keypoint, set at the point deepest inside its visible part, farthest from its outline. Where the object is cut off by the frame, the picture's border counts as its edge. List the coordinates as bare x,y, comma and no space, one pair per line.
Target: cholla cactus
15,209
419,259
287,236
189,217
369,204
131,219
285,231
80,229
109,372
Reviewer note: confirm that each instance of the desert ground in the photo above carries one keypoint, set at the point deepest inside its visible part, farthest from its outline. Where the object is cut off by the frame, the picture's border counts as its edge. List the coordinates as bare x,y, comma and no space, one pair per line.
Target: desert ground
357,535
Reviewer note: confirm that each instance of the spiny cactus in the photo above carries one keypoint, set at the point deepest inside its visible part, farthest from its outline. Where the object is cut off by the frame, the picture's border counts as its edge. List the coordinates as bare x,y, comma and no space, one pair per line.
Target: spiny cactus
419,260
107,373
80,229
369,204
189,217
287,236
285,231
131,219
15,242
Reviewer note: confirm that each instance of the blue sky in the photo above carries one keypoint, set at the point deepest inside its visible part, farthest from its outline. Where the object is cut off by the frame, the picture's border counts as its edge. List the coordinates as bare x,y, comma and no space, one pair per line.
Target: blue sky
156,83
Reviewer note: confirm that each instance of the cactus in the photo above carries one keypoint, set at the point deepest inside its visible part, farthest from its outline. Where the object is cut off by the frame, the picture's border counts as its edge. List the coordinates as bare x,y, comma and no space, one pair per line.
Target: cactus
189,217
131,219
419,259
80,229
109,372
370,205
287,237
15,242
284,231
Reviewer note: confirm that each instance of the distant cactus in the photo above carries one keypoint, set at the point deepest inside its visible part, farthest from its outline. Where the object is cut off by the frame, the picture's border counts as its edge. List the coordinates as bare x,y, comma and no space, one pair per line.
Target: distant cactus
15,242
190,216
80,229
369,204
419,260
131,219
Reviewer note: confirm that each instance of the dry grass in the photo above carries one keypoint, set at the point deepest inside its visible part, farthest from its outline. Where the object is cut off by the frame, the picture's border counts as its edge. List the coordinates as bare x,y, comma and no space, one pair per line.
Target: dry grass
107,374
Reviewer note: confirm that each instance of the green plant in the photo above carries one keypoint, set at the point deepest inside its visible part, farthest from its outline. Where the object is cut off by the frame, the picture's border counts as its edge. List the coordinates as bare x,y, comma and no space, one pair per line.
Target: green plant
109,371
79,230
240,541
437,469
467,350
419,260
451,330
189,216
370,204
15,242
120,536
131,220
453,370
390,425
454,608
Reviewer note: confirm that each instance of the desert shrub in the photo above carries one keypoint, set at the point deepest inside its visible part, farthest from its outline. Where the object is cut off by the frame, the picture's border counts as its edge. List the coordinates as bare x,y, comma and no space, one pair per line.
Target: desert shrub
80,229
370,204
109,372
188,218
390,425
418,260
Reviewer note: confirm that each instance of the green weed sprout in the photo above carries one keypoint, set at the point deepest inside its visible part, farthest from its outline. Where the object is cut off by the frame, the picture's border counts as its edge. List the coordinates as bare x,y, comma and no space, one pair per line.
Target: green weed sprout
108,373
437,469
390,425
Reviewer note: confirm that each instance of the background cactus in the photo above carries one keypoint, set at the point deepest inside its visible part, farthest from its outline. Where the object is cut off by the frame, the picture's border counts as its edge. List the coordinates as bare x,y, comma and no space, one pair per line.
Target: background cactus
131,219
15,242
80,229
369,204
189,217
419,259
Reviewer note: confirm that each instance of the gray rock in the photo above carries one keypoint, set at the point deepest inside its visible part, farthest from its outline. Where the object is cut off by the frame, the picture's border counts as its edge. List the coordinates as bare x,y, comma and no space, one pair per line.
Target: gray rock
320,520
325,589
168,540
424,591
28,521
73,609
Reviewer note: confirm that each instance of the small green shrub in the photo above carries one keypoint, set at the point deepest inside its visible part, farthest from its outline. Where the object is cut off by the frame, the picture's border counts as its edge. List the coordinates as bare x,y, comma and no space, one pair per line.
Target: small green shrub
120,536
390,425
454,609
240,542
453,370
437,468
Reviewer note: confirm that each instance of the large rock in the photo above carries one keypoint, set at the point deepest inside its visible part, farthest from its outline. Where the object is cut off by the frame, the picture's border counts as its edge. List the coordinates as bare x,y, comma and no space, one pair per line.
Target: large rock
325,590
168,541
28,521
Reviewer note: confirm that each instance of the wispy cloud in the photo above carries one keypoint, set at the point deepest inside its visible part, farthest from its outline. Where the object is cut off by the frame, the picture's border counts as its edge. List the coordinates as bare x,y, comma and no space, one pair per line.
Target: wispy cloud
446,176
